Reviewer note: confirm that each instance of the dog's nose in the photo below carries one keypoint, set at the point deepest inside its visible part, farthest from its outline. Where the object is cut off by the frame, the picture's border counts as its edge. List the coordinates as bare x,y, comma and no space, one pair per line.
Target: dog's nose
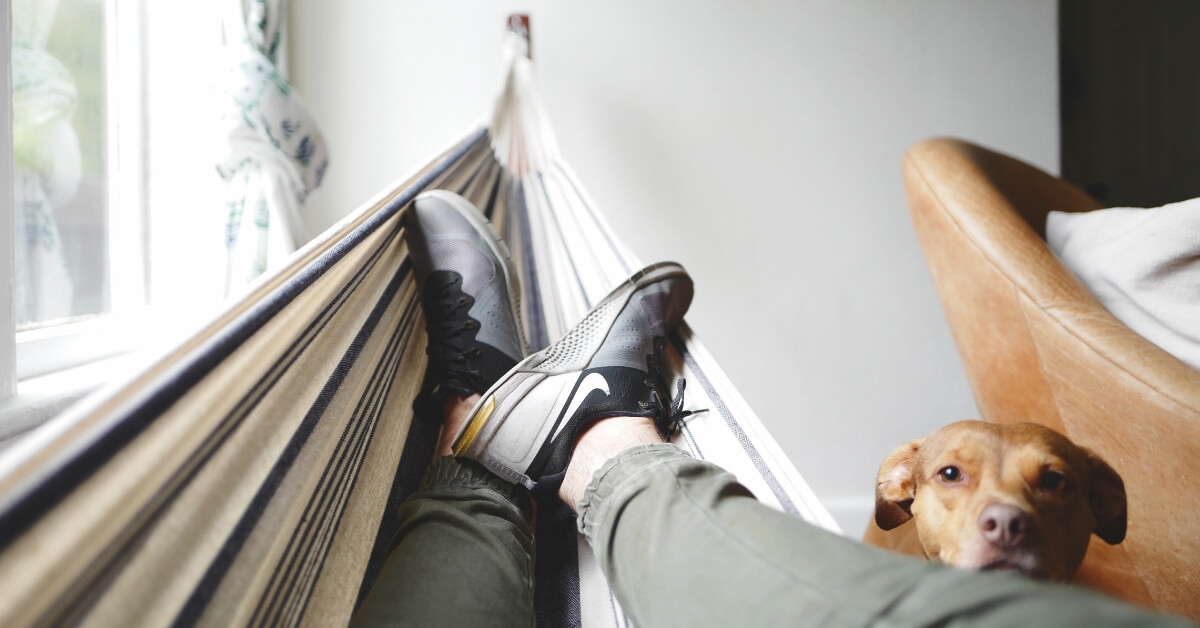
1004,525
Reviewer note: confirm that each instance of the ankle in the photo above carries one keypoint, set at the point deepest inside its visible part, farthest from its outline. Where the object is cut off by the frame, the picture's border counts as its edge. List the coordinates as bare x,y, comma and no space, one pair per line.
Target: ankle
597,445
456,411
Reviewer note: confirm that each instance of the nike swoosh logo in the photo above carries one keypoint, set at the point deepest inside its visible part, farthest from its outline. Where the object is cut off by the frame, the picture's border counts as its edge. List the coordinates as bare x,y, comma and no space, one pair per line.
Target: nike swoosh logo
593,381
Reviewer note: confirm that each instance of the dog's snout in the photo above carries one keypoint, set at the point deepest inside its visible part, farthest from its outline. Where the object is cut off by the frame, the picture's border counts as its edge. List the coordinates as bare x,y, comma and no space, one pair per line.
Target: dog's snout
1004,525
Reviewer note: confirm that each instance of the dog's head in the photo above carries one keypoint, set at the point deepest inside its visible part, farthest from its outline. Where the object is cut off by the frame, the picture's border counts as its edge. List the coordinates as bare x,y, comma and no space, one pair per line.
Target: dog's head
1014,497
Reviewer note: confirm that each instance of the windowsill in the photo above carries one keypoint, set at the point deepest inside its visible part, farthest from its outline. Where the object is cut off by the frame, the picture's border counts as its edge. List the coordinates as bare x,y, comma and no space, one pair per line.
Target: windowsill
40,398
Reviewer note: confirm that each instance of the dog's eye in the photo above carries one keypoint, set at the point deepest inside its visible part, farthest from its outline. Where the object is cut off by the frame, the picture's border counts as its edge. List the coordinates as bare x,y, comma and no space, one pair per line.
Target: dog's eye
950,474
1052,481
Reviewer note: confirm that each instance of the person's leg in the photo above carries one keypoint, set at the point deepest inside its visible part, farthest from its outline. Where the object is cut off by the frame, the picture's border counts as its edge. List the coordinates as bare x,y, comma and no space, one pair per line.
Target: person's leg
463,552
463,555
682,543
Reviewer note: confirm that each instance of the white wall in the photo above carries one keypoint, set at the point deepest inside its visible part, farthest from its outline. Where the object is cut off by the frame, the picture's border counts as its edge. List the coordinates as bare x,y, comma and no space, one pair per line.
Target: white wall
759,143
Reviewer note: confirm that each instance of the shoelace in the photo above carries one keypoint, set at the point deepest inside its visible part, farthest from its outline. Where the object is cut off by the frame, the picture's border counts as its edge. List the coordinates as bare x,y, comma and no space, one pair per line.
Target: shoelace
669,415
446,336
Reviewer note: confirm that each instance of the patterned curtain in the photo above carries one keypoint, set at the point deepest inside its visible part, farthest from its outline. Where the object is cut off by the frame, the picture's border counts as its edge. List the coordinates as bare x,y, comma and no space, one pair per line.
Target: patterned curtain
47,164
275,155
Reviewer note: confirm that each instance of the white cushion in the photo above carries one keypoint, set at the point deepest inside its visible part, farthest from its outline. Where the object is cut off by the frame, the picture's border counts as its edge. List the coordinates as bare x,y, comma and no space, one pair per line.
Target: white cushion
1143,265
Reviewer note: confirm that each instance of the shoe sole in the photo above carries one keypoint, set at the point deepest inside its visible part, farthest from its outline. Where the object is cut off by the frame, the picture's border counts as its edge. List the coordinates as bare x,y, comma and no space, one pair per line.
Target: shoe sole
570,355
499,249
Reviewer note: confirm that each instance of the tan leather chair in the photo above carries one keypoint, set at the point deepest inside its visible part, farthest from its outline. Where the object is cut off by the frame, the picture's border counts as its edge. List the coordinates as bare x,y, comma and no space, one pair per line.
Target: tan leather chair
1037,346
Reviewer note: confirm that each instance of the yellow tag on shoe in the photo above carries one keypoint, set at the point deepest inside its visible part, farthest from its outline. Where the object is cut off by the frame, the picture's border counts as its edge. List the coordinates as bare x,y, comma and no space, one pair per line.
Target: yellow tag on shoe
474,425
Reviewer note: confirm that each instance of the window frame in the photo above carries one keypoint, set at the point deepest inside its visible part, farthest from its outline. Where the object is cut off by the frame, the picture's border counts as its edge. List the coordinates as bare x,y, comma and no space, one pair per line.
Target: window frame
61,345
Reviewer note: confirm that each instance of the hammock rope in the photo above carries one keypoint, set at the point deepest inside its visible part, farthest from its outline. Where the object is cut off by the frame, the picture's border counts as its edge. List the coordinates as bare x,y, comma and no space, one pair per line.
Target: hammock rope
251,475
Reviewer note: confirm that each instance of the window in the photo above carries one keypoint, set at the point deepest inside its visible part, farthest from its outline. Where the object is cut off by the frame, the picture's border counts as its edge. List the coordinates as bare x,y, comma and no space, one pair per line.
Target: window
78,179
143,233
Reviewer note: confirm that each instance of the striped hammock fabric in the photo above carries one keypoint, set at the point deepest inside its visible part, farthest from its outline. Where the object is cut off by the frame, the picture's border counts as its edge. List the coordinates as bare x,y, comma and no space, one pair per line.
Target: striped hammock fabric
251,476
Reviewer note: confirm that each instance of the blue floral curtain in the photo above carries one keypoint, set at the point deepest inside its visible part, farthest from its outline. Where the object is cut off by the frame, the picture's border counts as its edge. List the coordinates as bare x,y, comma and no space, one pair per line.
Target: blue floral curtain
275,153
47,164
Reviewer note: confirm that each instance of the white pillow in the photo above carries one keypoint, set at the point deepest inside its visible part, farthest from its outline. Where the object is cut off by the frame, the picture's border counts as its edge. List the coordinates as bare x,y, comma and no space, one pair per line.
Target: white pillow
1143,265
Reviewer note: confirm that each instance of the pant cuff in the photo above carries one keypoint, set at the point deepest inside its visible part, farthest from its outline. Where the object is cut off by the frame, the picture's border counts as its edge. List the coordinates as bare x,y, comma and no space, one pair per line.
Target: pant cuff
618,477
448,472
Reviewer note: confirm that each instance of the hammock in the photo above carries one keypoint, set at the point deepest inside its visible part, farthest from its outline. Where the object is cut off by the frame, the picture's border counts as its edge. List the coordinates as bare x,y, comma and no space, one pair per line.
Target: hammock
251,475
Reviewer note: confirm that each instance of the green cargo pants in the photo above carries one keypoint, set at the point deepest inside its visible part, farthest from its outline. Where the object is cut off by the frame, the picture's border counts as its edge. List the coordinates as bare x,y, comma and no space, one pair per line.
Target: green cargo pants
683,544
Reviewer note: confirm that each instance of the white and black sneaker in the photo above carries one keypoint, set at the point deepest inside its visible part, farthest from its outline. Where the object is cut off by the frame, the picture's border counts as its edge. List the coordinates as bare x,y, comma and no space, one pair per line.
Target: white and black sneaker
471,298
524,427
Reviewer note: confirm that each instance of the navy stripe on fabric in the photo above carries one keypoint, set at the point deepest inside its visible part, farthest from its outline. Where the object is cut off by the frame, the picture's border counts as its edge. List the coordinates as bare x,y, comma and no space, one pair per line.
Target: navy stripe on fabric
338,478
213,576
25,509
351,479
751,451
417,455
490,204
94,578
322,514
301,586
556,565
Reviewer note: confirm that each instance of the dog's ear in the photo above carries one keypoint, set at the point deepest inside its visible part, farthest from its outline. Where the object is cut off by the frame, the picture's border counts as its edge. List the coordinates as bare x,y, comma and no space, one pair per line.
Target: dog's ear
895,486
1106,495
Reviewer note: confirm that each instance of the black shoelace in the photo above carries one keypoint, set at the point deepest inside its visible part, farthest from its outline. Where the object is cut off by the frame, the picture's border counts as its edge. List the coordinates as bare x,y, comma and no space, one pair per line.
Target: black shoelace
669,415
449,334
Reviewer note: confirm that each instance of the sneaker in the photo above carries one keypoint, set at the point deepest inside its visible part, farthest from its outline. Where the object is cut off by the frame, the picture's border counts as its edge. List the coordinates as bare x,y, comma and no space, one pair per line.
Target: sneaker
525,426
470,295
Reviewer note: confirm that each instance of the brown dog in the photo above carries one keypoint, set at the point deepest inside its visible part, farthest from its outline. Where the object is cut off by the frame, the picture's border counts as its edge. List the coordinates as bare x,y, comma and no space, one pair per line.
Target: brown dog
1004,497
